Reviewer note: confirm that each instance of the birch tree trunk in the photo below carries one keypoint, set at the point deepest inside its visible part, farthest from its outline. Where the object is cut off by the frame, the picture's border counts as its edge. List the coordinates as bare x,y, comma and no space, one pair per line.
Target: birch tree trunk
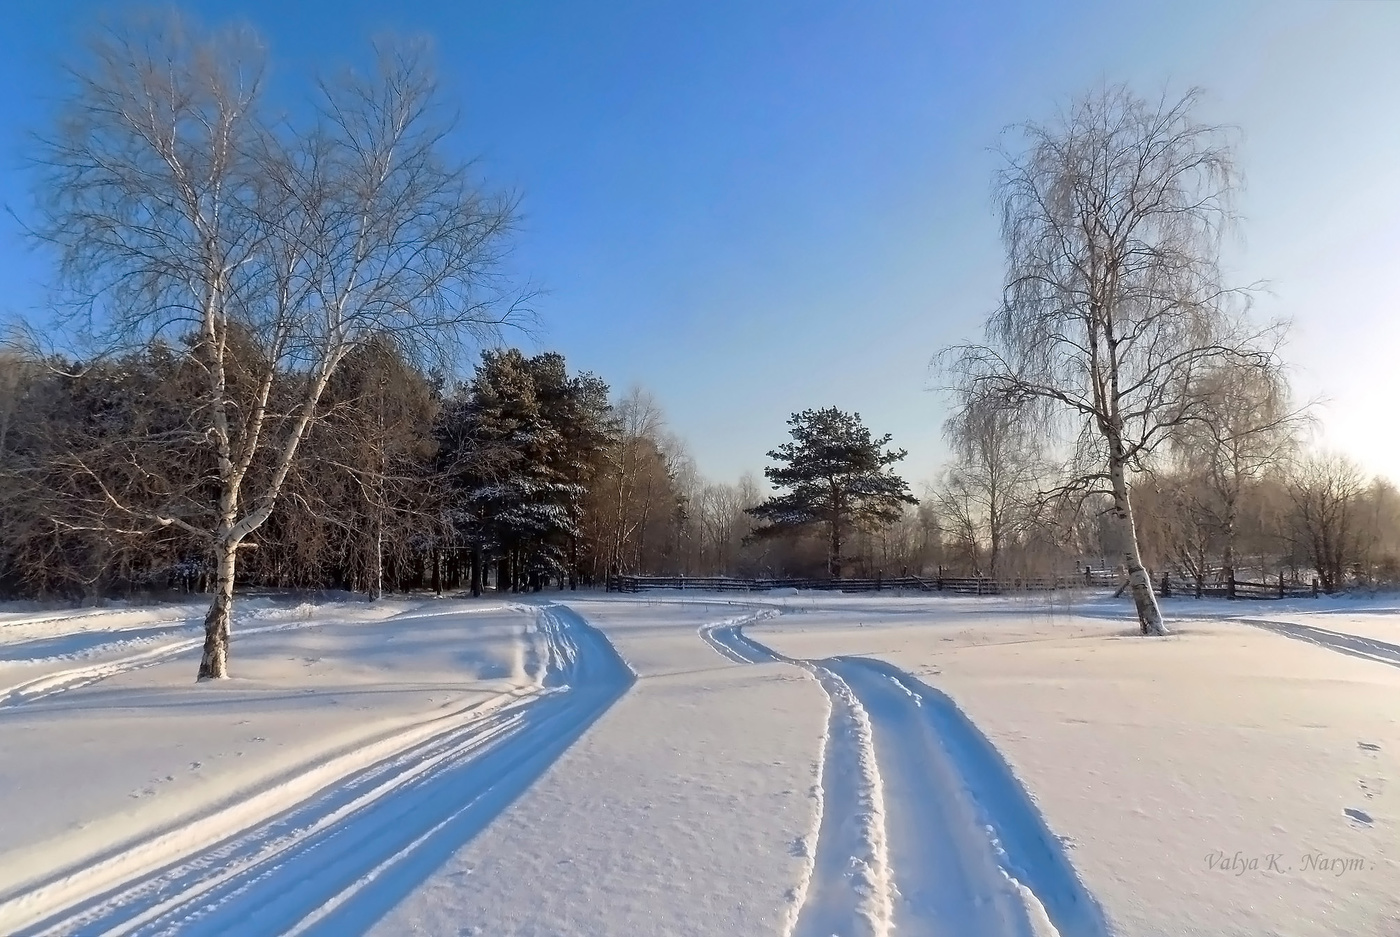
213,665
1139,584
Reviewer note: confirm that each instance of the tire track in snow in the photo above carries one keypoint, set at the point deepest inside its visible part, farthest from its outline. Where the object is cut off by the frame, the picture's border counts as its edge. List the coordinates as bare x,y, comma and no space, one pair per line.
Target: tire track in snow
846,887
729,641
76,645
40,626
333,853
962,846
1343,643
73,678
850,876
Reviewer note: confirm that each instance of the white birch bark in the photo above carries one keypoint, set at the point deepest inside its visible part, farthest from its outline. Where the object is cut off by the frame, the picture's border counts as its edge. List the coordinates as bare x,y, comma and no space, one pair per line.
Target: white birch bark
1139,583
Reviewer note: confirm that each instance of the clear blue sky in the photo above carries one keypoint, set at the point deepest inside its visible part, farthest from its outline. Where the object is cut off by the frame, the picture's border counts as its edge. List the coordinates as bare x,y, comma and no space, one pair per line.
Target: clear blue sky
753,208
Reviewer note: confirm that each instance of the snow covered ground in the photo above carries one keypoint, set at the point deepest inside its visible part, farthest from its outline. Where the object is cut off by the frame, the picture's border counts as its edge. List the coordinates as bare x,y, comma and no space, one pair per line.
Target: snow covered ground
801,765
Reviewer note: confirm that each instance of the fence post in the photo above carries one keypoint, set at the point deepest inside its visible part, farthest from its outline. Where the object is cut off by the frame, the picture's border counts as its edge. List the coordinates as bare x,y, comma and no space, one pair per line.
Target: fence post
1314,587
940,577
879,579
1230,586
1166,585
1280,583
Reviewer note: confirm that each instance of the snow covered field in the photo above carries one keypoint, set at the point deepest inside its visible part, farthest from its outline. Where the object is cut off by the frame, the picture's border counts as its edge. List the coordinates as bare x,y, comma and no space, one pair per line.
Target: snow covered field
807,765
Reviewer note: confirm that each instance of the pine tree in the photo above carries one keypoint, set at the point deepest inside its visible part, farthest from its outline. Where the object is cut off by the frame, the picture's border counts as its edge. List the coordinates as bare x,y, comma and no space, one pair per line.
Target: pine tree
837,476
578,410
514,464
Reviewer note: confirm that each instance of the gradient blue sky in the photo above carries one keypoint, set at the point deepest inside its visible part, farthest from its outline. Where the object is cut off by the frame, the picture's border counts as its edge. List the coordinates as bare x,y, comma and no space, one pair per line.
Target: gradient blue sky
754,208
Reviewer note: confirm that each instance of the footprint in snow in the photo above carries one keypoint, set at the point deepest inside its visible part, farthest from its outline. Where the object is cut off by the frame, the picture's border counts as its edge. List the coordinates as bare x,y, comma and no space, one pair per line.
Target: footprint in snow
1371,787
1360,816
1368,746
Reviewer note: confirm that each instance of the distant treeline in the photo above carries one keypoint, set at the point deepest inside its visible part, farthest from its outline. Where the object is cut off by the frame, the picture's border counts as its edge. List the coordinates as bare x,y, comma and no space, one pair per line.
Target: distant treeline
523,475
527,475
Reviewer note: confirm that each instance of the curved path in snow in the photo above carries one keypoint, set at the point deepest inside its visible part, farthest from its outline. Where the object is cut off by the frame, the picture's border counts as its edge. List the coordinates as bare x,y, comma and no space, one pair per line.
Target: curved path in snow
1339,641
343,841
923,829
91,655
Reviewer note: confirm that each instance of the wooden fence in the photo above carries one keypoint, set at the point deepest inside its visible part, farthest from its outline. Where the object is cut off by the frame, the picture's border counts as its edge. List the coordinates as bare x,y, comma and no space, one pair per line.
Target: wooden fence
1237,589
966,585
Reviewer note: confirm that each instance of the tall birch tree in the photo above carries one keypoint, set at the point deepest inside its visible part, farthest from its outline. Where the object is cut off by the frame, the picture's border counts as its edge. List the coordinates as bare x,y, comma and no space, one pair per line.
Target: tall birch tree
1112,217
179,206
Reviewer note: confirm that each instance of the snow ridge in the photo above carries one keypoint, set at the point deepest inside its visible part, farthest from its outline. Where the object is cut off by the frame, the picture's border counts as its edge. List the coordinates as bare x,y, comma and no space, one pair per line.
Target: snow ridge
806,847
851,877
354,833
921,824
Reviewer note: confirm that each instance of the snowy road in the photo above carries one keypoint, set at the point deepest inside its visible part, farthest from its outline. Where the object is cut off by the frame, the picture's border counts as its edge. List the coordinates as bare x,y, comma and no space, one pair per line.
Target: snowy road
362,838
922,828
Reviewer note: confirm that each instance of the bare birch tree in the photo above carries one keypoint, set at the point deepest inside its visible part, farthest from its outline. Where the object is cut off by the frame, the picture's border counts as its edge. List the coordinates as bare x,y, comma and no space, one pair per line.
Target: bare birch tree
1327,491
178,207
1112,217
988,489
632,463
1243,426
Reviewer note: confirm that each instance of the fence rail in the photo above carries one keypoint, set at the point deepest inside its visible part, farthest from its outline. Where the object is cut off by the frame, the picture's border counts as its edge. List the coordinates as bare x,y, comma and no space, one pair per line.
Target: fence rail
958,585
1239,589
964,585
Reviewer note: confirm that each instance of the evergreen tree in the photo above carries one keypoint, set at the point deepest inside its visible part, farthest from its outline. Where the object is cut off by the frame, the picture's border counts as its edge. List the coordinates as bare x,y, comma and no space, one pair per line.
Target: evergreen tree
517,499
837,476
578,410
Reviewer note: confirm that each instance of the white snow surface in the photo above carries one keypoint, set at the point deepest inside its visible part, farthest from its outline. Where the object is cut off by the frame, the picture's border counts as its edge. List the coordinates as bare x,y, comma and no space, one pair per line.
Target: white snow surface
1227,780
802,765
678,813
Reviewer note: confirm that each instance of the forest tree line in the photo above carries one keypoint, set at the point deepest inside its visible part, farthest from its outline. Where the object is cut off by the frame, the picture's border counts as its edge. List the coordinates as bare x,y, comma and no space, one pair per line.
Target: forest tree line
526,474
522,474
